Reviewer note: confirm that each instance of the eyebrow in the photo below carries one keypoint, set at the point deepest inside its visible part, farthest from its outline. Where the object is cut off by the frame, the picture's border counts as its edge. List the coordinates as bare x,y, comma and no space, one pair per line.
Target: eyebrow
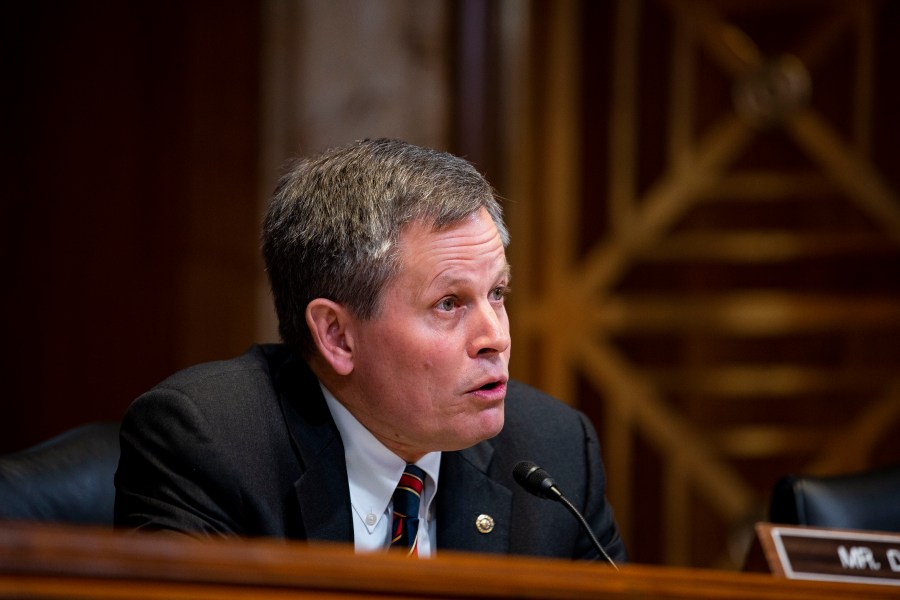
505,273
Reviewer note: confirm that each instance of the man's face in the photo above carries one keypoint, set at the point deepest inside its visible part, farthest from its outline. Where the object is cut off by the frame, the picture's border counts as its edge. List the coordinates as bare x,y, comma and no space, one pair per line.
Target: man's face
432,366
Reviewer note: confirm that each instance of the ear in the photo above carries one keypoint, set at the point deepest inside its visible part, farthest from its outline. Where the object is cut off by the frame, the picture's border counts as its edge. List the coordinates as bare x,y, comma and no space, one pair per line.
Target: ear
331,327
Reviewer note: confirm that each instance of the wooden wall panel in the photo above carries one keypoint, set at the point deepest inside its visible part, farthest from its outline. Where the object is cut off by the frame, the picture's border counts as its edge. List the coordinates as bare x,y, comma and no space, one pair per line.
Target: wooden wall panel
712,251
129,218
334,71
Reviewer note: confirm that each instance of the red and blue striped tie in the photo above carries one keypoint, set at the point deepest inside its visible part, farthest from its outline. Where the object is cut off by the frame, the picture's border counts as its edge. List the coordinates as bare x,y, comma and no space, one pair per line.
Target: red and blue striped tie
406,510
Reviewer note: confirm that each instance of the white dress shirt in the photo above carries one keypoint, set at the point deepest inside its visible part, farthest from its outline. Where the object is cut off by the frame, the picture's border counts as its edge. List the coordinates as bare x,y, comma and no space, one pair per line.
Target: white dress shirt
373,472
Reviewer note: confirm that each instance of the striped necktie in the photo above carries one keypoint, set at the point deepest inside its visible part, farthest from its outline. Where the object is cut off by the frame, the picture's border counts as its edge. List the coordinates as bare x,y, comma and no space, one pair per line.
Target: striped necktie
404,533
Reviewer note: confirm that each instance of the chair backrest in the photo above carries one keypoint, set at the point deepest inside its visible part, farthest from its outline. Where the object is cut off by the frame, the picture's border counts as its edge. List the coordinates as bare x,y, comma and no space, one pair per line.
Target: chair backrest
68,478
868,500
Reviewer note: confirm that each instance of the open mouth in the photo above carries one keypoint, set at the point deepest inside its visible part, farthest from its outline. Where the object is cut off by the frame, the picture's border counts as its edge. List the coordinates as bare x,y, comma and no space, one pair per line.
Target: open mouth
490,386
497,384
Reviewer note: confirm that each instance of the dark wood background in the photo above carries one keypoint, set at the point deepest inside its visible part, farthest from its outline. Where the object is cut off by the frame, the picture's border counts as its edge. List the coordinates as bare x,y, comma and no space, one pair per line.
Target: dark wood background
130,216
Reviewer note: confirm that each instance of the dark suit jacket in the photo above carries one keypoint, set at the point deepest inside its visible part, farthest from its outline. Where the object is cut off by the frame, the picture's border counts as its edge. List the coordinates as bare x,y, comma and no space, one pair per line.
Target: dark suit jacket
248,447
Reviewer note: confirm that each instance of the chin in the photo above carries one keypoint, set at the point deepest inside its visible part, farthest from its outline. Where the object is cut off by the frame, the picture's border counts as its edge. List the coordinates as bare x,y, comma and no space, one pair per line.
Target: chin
475,435
490,427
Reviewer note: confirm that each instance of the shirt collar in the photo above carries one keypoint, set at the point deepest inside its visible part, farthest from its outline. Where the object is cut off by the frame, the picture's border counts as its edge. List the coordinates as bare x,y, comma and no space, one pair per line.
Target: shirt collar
372,469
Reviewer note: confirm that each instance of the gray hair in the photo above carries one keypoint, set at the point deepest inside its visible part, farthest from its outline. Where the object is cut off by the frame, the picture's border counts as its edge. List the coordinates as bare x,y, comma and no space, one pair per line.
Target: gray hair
334,221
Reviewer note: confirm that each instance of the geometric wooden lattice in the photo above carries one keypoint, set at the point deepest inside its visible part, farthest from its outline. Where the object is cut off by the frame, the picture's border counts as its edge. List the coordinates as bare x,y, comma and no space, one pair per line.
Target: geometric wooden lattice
732,307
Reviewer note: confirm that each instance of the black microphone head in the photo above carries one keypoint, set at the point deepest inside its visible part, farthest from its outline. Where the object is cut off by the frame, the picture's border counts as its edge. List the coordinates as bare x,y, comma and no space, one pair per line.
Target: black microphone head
535,480
538,482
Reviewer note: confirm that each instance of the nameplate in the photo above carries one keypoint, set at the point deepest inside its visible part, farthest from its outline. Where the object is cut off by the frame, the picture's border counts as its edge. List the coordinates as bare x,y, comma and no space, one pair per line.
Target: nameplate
831,554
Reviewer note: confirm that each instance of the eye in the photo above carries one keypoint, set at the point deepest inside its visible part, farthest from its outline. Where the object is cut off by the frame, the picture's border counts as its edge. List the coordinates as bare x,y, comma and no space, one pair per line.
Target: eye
447,304
499,293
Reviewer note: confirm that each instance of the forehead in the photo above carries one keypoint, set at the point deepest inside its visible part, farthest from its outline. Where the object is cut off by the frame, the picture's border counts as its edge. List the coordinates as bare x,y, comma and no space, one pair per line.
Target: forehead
471,242
474,229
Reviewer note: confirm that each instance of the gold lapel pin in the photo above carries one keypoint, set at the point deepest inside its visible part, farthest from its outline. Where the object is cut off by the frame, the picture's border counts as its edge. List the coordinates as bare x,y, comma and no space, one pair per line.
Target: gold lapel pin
484,523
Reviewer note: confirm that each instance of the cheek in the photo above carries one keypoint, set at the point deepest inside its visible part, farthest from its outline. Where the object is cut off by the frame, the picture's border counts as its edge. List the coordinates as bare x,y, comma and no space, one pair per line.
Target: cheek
432,352
411,366
411,357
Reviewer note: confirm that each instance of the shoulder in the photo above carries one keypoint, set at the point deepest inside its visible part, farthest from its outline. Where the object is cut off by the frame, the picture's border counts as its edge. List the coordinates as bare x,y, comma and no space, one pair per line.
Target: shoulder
543,427
231,408
208,449
226,390
252,375
526,404
258,362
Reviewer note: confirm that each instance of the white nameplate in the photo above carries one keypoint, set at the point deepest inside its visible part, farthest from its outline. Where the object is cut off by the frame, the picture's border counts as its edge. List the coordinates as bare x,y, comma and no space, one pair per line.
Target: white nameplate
831,554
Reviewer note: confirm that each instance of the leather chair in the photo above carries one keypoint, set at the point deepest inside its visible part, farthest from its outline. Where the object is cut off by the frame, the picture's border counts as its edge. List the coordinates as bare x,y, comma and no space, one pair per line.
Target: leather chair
68,478
868,500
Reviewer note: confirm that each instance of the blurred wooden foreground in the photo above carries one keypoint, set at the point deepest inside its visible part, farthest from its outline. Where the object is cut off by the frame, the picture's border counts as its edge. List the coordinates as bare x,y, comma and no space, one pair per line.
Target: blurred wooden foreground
41,561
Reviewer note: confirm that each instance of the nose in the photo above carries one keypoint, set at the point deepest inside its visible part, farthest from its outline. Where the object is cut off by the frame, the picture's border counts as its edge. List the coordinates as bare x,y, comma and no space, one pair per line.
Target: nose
490,330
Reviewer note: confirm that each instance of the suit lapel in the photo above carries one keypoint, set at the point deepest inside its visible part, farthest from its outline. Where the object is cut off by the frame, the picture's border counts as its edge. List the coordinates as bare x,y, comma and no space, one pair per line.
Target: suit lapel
324,496
322,491
465,493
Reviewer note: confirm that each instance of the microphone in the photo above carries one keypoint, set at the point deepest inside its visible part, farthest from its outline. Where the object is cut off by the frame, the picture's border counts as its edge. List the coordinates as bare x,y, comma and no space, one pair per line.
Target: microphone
537,481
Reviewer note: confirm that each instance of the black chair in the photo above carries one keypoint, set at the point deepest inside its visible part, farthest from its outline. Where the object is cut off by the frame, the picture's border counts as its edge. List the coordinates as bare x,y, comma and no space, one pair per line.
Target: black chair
868,500
68,478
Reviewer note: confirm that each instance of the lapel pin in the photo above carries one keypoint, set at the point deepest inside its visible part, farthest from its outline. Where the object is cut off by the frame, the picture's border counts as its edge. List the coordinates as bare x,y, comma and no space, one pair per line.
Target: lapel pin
484,523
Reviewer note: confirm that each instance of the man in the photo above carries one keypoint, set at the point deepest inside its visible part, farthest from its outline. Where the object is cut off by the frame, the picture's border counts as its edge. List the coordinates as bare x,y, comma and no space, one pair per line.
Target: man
388,267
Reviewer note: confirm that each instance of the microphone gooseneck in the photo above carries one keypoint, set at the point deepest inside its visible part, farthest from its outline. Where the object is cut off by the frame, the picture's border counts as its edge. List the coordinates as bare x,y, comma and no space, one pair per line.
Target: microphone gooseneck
537,481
